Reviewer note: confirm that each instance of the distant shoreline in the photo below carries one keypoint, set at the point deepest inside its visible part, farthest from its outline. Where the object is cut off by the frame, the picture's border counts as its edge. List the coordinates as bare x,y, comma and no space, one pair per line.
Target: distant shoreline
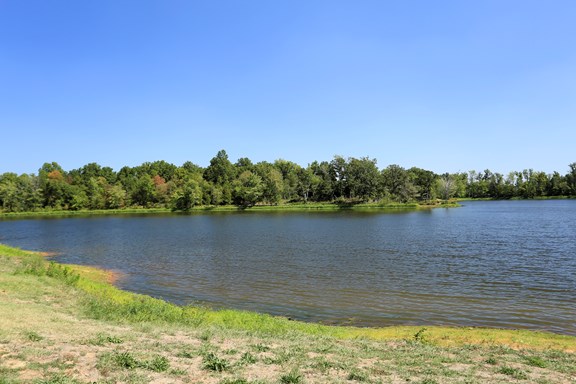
232,208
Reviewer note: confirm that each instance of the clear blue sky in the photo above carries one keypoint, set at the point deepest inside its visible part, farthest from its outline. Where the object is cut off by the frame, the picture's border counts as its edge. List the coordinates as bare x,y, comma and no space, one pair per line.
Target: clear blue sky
443,85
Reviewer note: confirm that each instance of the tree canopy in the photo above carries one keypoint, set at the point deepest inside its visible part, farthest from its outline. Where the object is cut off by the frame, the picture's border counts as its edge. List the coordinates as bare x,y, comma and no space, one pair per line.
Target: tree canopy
245,184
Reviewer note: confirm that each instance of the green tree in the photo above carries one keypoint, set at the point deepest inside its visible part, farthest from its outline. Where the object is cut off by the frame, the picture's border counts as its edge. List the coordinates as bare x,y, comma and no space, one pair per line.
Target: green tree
9,197
338,176
187,196
558,186
324,188
221,172
116,196
143,192
244,164
289,175
571,179
362,178
446,186
272,182
397,183
307,183
79,200
96,192
424,181
247,189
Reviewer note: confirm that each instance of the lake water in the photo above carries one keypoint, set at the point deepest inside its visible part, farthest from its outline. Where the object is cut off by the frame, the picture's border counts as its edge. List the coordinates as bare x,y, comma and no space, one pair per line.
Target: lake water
505,264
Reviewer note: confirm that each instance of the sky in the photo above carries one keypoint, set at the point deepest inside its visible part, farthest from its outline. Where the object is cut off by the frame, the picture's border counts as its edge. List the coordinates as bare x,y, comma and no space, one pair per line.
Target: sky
448,86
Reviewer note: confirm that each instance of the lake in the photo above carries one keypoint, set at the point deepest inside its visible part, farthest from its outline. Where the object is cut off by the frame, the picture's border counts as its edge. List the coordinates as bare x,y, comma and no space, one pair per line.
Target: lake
509,264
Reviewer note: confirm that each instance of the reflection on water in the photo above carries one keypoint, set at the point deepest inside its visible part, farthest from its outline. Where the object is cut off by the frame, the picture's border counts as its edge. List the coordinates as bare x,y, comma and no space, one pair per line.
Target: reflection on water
502,264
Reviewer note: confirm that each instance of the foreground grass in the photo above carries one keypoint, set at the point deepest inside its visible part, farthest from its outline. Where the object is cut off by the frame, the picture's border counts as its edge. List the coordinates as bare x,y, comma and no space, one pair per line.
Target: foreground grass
64,324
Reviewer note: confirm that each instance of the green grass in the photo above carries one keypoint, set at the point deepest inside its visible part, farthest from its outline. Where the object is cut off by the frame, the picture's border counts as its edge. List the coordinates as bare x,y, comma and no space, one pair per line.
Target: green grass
285,207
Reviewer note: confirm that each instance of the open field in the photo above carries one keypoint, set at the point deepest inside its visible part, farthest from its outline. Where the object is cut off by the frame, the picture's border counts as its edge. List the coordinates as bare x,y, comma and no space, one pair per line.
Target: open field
63,324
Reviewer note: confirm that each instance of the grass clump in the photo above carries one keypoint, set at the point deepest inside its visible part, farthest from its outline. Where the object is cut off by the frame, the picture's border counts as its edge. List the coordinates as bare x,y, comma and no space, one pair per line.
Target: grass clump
357,376
37,266
247,358
293,377
536,361
33,336
419,336
211,362
513,372
57,379
158,364
491,361
126,360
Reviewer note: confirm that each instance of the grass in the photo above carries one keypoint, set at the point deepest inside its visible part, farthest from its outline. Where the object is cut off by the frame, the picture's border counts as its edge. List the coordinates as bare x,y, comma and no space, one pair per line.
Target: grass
80,329
285,207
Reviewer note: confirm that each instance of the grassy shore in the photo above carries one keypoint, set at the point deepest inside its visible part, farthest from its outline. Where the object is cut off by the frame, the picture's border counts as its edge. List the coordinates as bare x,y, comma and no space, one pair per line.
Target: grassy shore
67,324
290,207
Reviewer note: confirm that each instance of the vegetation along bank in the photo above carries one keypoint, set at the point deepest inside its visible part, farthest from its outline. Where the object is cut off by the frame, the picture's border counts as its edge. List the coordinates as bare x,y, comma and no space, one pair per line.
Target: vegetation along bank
342,182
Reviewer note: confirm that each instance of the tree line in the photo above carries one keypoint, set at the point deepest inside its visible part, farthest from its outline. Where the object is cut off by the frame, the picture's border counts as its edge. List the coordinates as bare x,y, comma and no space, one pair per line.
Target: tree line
245,184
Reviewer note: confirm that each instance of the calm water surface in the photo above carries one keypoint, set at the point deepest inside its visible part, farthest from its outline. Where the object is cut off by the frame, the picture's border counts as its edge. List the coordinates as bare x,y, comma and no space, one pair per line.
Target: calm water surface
499,264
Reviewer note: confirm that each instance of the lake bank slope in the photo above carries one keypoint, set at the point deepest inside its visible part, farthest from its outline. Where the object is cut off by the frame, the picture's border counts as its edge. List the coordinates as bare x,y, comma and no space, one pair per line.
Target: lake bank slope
68,325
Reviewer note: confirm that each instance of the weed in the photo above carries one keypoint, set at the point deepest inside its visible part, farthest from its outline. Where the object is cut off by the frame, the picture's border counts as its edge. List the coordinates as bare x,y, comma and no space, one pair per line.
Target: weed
234,381
247,358
322,364
294,377
101,339
261,347
186,354
126,360
513,372
38,267
419,336
357,376
211,362
428,381
58,379
536,361
491,361
8,375
114,340
205,336
177,372
33,336
158,364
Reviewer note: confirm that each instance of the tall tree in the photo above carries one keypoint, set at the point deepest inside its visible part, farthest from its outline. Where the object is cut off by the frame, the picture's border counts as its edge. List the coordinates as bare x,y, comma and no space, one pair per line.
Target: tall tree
247,189
424,181
571,179
272,182
324,188
362,178
221,172
289,174
446,186
396,181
